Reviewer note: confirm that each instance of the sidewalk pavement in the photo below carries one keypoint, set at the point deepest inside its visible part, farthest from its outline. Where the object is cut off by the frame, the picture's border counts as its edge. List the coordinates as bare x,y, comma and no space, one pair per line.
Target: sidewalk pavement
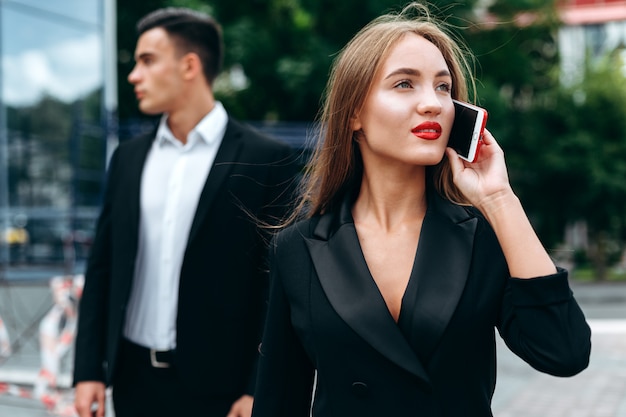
599,391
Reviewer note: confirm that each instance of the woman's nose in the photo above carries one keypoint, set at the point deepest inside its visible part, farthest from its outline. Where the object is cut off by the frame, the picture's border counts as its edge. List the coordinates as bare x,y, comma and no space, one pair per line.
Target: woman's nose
429,103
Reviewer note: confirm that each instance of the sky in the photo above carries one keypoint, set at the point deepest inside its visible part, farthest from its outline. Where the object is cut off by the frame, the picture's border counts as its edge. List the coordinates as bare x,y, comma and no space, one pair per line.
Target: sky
50,47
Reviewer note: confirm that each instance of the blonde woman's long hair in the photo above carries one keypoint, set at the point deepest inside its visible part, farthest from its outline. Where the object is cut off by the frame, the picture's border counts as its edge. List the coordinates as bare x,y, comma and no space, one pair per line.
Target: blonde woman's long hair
335,166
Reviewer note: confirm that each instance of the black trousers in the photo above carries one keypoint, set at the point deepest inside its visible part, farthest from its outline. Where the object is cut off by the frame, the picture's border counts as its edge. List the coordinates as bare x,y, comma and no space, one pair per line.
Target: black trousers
142,390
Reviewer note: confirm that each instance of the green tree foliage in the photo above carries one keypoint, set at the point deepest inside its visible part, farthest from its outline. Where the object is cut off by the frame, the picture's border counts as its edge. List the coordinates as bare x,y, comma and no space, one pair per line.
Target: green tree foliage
565,148
579,139
517,69
284,48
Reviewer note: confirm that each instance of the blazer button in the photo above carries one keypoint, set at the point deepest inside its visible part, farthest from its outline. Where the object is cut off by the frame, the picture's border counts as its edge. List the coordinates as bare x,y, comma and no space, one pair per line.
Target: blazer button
360,389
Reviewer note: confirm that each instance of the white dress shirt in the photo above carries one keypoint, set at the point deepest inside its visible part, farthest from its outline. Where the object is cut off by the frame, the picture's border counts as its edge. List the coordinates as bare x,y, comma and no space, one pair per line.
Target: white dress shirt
173,177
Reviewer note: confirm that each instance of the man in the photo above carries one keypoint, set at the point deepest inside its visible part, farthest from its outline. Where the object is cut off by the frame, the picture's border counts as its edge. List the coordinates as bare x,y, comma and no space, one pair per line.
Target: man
175,285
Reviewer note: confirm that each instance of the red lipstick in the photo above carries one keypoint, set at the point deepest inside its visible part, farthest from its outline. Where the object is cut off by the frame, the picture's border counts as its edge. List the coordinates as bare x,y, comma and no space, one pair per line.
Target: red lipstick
427,130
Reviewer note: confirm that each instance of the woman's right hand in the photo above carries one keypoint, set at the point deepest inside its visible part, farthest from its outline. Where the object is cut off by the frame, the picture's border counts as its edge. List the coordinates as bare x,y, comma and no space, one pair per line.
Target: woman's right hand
484,180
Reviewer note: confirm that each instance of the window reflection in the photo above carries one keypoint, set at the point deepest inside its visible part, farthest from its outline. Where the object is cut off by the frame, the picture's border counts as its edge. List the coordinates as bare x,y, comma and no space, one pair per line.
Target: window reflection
52,100
82,10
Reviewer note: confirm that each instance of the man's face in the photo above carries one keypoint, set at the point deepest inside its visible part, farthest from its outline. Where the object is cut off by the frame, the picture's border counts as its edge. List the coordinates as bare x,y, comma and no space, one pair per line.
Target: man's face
157,75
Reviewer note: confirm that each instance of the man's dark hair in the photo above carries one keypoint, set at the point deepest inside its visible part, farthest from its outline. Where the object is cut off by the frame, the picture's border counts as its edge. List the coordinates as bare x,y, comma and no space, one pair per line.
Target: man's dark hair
191,31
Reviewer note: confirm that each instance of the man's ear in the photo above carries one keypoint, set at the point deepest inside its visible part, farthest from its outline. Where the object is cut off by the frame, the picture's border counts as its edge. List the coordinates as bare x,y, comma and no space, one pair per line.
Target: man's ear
191,65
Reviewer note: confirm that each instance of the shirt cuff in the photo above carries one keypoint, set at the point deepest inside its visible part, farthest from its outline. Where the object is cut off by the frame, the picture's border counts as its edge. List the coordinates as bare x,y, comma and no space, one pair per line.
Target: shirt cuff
540,291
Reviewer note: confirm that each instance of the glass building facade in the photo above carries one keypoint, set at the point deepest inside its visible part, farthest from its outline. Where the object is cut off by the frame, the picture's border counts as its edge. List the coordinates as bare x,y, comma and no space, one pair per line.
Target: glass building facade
53,124
591,30
57,117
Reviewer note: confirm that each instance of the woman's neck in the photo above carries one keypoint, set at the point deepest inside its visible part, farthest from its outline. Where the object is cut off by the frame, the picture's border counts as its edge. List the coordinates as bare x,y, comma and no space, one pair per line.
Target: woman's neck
391,200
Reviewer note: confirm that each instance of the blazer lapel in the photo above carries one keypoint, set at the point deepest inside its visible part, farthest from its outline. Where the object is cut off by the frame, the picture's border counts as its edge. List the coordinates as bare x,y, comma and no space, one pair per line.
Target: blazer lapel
223,164
346,281
441,268
133,174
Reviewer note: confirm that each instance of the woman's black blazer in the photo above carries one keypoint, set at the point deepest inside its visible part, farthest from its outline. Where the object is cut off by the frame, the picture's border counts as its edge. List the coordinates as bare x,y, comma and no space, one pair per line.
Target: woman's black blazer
327,319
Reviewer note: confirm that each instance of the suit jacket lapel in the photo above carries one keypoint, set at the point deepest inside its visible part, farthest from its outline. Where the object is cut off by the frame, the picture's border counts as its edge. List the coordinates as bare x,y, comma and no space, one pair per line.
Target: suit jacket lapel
223,164
441,268
346,280
133,172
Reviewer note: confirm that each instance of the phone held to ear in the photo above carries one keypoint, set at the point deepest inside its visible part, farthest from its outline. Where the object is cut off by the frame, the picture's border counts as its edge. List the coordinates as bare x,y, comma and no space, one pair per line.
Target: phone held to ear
467,130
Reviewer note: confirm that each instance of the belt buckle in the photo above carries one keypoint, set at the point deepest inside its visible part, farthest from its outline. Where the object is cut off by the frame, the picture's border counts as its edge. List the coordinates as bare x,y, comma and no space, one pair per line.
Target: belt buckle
154,362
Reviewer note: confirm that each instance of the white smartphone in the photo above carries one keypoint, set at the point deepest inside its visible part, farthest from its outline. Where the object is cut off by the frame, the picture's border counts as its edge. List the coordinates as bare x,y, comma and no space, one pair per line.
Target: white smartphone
467,129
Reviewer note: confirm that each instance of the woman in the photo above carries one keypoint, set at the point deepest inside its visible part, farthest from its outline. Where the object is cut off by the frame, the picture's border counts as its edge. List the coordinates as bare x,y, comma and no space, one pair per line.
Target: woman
388,292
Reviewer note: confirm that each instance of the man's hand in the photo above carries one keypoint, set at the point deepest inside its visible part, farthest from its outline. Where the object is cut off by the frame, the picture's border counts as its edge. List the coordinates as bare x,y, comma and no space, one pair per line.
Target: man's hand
242,407
86,394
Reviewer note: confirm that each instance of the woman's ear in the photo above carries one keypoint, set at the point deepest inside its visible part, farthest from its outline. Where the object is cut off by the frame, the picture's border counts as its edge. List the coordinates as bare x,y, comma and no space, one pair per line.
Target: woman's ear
355,123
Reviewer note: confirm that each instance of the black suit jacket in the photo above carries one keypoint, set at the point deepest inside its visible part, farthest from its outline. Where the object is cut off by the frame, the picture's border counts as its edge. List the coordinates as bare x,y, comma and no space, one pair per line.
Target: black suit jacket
223,279
326,315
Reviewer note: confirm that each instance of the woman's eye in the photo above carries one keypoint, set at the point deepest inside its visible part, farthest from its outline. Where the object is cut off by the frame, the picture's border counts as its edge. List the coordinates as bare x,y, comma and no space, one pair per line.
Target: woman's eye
404,84
444,87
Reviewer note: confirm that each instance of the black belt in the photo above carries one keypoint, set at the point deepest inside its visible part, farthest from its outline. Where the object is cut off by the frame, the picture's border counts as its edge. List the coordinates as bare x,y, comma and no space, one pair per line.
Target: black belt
156,358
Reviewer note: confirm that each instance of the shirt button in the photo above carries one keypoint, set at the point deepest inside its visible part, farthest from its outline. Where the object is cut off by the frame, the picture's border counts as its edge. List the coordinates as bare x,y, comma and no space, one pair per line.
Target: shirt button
360,389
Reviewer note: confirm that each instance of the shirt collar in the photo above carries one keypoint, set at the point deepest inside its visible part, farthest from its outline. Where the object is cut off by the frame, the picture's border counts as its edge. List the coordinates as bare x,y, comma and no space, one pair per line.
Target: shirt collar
210,128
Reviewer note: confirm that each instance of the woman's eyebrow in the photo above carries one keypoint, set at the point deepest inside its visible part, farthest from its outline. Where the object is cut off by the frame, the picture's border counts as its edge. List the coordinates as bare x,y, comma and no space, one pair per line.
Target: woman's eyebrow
415,72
